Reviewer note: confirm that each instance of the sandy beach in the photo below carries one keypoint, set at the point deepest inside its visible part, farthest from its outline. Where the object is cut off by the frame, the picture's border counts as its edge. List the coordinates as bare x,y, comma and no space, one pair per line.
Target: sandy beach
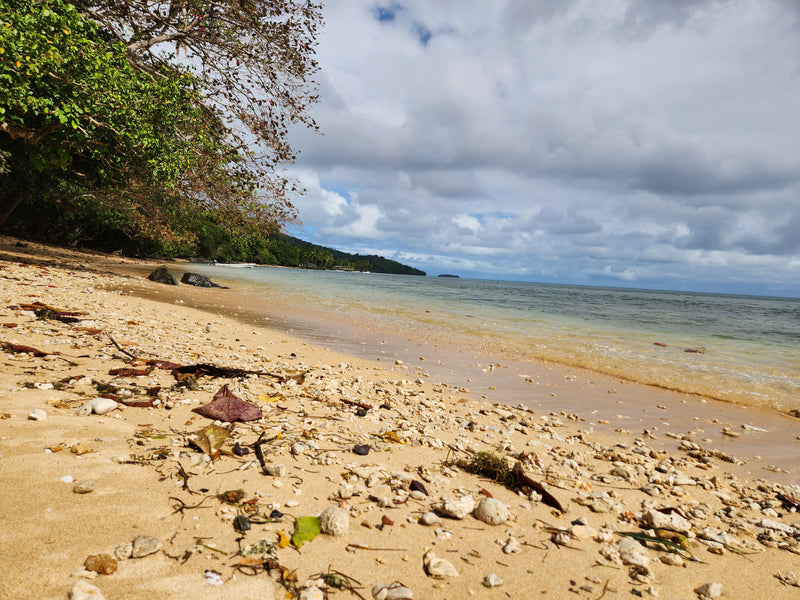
103,454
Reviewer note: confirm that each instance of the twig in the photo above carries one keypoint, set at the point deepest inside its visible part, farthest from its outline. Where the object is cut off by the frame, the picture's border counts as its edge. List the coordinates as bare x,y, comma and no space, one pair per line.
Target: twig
120,348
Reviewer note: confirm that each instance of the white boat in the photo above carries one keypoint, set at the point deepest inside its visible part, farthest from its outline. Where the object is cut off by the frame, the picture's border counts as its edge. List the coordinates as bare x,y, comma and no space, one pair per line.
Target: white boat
237,265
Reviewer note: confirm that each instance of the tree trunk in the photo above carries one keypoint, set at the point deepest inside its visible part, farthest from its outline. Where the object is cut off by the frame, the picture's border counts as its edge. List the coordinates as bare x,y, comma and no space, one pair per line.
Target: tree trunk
8,203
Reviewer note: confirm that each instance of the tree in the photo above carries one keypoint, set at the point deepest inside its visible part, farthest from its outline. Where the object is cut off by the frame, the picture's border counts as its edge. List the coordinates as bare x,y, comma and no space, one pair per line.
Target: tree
75,116
254,60
93,107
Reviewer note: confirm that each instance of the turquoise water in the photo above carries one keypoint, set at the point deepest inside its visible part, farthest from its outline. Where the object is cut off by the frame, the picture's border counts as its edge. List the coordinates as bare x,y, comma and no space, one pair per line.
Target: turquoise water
743,349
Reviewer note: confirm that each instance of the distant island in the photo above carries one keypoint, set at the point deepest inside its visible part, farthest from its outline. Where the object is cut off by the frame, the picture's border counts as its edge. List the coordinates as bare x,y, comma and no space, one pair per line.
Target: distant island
448,275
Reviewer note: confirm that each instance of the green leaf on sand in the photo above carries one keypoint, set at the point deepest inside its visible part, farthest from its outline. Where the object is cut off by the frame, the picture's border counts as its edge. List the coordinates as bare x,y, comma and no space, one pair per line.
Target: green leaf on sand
305,530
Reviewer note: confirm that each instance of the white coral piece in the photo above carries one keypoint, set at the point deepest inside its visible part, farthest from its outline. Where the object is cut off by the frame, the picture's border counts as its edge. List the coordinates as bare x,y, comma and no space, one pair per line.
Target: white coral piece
334,521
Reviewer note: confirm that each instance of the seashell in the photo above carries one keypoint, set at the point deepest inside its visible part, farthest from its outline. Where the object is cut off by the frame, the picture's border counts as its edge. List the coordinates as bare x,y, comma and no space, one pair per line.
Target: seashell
334,521
491,511
392,591
492,580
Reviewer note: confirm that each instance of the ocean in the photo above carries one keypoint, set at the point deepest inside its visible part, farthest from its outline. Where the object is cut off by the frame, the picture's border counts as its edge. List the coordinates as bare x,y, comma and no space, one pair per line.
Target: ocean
739,349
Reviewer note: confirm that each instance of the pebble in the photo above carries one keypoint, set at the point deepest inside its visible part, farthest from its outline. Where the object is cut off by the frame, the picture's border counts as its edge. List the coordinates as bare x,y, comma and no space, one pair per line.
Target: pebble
144,545
312,593
392,591
105,564
438,567
98,406
492,580
84,487
83,590
37,414
491,511
654,519
430,518
276,470
709,590
455,509
334,521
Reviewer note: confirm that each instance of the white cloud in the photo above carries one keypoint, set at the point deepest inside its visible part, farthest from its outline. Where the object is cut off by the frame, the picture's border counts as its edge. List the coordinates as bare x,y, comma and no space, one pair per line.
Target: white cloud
575,141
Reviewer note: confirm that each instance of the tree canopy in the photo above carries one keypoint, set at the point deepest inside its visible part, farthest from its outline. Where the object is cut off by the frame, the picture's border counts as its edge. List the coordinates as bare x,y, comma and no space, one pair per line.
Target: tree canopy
159,113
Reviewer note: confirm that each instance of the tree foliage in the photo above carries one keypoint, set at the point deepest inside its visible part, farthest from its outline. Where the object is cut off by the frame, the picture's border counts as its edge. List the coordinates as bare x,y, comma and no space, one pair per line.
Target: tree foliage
97,114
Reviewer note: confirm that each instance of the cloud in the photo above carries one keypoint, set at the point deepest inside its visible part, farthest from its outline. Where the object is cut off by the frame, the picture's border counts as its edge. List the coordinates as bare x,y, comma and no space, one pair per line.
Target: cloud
631,141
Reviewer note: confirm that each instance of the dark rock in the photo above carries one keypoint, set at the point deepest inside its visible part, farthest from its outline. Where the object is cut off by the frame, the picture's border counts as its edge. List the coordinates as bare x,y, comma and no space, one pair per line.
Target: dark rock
163,275
198,280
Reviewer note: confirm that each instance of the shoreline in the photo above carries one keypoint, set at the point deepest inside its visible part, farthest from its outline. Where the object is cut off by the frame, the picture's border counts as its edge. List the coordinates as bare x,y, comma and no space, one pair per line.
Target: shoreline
609,478
607,402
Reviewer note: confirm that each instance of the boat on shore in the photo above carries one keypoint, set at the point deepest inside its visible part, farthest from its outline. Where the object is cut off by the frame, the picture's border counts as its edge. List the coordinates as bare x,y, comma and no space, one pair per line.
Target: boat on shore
237,265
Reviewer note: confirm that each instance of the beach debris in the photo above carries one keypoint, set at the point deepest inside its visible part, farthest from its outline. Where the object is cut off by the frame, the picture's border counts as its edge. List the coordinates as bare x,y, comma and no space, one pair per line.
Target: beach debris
241,523
84,487
163,275
430,519
305,530
104,564
144,545
212,577
336,580
83,590
709,591
361,449
97,406
788,578
670,545
494,467
311,593
455,508
45,312
492,580
438,567
747,427
229,408
788,501
392,591
699,350
209,439
37,414
491,511
334,521
22,349
666,519
417,486
275,469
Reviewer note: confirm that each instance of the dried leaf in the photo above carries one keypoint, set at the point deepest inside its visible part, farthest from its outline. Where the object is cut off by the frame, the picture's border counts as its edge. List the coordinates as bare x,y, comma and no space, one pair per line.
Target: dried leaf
547,497
210,438
305,530
229,408
417,486
391,436
20,349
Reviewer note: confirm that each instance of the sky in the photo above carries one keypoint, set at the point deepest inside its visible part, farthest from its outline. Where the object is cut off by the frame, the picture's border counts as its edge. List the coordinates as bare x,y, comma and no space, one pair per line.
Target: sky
651,144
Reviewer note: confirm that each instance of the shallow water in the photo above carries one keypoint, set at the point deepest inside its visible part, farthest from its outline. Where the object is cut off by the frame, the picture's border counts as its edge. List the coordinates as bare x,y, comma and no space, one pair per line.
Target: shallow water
742,349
